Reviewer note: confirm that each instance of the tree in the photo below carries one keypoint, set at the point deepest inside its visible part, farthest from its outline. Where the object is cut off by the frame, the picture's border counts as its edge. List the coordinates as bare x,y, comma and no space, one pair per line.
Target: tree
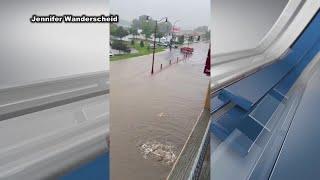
133,31
119,32
147,28
141,44
113,29
119,45
164,27
159,35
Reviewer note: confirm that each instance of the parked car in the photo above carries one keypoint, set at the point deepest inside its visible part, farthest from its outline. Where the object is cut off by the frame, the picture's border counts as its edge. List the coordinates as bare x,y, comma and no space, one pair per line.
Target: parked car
163,44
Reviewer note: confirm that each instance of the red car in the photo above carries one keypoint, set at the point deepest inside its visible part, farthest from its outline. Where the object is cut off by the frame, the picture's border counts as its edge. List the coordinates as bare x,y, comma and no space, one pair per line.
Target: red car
187,50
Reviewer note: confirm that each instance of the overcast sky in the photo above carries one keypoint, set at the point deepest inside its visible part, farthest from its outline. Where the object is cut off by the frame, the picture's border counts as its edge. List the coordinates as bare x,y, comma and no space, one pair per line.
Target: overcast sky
192,13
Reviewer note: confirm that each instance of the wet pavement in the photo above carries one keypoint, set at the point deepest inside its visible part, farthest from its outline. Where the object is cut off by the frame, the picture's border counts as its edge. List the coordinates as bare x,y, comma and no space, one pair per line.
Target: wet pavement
152,115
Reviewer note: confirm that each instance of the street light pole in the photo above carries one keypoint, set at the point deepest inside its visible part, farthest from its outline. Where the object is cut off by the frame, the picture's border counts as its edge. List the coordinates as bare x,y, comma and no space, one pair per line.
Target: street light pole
154,40
154,46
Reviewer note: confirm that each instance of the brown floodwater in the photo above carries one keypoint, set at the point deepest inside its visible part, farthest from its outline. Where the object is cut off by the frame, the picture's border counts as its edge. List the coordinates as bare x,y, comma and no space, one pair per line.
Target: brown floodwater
152,115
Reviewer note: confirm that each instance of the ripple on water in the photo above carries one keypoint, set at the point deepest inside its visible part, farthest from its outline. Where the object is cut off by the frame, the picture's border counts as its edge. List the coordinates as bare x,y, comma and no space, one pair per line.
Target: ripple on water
161,152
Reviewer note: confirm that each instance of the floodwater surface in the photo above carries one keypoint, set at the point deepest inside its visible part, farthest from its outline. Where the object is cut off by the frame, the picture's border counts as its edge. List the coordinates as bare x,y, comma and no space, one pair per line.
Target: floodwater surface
152,115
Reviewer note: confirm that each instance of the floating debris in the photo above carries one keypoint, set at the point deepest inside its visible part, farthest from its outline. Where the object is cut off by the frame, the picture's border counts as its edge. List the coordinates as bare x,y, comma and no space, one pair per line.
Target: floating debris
161,152
162,114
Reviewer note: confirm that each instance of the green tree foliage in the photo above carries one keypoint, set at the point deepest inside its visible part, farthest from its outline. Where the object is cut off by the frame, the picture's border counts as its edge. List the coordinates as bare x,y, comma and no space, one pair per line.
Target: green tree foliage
120,45
164,27
133,31
119,32
141,44
159,35
147,28
113,29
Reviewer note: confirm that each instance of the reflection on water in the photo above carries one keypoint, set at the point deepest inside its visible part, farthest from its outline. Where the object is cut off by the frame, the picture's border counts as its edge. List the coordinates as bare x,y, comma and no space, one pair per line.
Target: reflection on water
154,114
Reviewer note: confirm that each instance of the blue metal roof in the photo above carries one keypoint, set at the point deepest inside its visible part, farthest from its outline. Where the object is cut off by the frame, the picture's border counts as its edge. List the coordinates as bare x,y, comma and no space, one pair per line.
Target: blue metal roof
298,158
257,97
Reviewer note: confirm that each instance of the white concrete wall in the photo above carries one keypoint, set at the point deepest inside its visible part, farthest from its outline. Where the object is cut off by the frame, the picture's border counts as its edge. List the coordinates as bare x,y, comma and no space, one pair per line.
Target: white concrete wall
238,25
31,52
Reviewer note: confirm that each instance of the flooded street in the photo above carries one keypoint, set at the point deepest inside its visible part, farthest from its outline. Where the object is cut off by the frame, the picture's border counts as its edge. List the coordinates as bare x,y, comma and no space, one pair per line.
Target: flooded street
152,115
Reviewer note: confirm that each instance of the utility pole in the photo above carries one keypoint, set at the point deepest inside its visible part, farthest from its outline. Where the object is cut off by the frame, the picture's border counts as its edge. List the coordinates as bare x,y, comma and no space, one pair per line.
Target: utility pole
154,40
154,46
